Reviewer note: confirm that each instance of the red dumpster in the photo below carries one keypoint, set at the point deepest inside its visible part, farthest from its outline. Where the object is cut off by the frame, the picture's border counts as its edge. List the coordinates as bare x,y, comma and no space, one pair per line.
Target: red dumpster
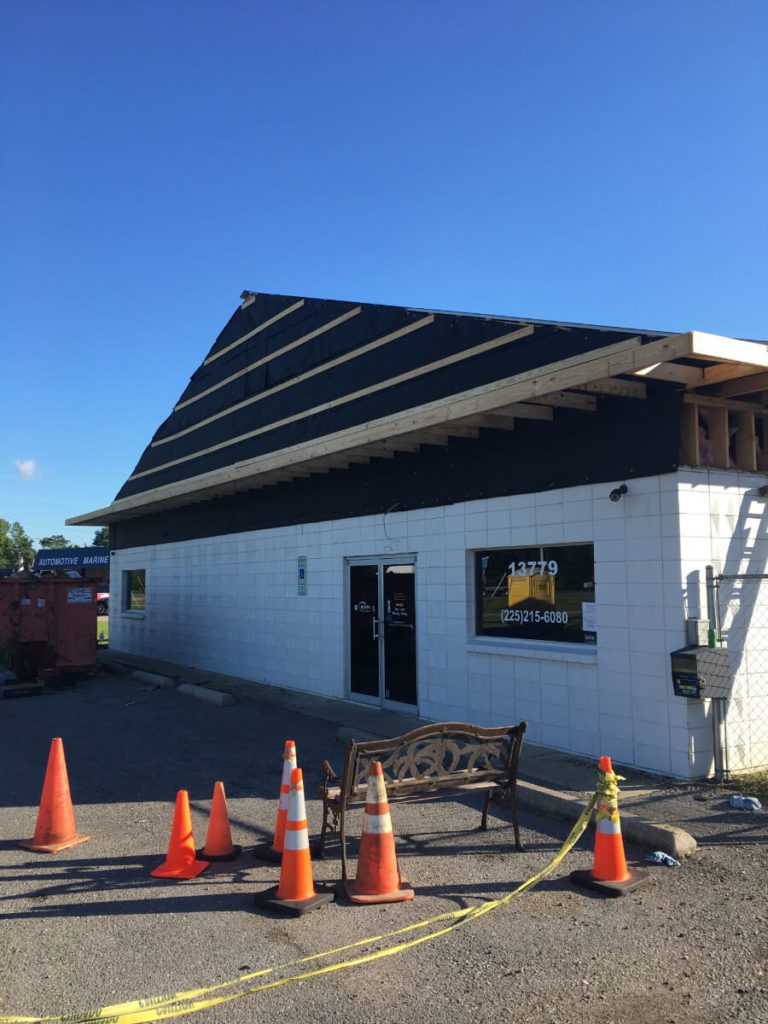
47,626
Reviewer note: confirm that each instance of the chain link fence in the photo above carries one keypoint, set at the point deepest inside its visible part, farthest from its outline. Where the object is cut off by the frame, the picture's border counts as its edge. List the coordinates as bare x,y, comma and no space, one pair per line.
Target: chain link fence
742,603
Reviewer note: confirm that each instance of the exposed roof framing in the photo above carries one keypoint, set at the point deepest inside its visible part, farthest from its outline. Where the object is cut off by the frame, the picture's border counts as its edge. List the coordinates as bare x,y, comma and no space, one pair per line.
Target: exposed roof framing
618,388
294,387
742,386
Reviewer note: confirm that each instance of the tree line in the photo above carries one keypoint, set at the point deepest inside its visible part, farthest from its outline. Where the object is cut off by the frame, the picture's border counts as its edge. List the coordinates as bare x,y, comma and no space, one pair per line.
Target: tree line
18,549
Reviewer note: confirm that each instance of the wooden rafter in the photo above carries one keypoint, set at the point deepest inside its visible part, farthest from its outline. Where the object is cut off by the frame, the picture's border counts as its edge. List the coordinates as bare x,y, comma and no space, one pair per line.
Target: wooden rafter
719,372
568,400
619,388
491,421
691,376
742,386
584,372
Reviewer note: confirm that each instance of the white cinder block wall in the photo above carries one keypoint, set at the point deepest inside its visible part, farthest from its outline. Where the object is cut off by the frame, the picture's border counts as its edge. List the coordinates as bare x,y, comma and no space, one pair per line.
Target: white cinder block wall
724,523
230,604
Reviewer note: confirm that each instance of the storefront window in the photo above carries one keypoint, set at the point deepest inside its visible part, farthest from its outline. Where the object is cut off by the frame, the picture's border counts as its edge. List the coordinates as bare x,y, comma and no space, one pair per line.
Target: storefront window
537,593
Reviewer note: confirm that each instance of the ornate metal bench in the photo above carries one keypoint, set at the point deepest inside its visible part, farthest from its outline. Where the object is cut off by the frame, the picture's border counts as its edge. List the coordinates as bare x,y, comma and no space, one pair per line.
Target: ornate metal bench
426,764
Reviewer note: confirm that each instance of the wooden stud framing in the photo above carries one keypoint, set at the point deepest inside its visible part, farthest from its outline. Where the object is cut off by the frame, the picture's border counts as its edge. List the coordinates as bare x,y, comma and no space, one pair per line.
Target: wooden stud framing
746,447
689,435
717,421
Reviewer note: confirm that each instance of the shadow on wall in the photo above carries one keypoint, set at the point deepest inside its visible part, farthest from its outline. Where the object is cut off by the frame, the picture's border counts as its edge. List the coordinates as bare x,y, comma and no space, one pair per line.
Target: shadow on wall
743,610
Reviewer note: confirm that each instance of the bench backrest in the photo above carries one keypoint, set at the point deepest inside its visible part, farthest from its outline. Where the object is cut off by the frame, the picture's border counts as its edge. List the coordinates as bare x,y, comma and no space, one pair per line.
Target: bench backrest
434,757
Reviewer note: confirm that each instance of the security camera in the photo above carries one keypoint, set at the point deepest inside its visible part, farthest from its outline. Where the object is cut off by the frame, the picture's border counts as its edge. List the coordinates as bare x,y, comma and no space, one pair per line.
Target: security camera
617,492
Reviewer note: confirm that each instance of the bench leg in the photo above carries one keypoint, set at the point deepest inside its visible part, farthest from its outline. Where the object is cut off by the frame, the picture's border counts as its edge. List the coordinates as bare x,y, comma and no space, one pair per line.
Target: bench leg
513,801
319,850
483,827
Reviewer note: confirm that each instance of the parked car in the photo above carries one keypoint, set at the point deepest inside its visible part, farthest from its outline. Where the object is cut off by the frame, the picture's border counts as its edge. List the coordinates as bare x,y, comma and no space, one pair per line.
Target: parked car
102,603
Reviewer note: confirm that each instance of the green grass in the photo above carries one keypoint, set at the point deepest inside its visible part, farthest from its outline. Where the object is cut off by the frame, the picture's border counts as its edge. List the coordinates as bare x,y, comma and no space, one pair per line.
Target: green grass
751,783
102,630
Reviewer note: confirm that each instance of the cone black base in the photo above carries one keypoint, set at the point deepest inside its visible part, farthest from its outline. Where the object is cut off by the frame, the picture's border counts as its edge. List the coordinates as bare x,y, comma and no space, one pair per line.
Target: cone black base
294,908
236,851
400,895
264,851
587,881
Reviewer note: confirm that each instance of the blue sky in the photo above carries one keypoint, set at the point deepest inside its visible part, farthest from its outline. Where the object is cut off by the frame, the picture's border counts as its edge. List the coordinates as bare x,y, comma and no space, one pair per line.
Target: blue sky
591,161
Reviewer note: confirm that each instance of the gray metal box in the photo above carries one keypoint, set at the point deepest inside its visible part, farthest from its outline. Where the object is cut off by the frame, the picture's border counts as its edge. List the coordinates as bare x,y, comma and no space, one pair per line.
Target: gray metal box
702,672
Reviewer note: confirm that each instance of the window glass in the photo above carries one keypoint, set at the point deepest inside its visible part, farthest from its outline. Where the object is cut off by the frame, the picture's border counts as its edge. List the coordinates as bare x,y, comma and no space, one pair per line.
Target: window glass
537,593
135,590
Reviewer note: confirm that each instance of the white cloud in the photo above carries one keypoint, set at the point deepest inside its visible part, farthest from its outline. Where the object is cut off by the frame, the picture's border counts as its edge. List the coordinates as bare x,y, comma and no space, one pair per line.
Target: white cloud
26,468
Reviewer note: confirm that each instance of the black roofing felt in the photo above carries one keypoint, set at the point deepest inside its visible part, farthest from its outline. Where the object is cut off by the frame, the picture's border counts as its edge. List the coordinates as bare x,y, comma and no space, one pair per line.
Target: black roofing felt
271,397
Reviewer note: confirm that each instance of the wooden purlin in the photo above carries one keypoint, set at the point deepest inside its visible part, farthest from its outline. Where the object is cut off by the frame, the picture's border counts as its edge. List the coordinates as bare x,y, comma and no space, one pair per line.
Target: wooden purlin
576,372
324,328
256,330
621,357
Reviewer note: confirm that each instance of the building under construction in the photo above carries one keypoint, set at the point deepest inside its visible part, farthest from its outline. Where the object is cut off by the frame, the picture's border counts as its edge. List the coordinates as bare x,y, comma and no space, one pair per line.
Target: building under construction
476,518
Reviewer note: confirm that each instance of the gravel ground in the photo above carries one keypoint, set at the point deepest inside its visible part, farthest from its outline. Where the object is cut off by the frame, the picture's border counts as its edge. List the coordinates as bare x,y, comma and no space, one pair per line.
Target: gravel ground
90,927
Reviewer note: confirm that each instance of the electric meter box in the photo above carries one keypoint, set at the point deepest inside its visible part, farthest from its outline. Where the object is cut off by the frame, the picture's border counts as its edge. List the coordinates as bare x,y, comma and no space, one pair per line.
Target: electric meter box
702,672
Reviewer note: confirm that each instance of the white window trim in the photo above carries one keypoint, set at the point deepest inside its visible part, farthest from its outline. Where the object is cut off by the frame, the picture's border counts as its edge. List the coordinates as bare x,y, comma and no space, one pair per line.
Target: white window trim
547,650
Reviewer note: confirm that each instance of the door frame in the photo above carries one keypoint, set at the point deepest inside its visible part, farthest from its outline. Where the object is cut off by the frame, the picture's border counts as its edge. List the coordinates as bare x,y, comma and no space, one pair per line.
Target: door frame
361,698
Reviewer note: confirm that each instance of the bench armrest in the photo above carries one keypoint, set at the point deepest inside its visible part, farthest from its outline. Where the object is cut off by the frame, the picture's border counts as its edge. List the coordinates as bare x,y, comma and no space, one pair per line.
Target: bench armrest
329,775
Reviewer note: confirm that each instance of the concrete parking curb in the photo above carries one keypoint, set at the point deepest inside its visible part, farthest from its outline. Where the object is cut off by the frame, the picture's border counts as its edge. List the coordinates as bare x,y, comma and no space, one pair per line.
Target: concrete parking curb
217,697
667,838
153,678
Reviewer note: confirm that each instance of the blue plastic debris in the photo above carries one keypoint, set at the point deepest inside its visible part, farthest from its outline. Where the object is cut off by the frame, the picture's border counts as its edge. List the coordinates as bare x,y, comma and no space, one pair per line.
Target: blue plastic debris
658,857
745,803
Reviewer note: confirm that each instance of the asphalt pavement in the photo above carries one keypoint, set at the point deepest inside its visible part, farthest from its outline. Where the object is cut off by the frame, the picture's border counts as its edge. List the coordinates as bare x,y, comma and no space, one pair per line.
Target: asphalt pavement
90,927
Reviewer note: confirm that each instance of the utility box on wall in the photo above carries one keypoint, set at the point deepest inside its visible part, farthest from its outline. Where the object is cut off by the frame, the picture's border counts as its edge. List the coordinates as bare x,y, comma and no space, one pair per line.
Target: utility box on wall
702,672
47,626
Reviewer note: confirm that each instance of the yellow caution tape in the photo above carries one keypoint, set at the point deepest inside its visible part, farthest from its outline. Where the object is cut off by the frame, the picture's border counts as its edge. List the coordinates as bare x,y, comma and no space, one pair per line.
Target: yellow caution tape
607,796
177,1004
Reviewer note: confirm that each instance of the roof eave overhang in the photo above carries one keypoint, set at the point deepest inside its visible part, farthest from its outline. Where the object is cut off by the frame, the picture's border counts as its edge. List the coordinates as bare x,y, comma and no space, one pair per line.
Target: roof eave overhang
718,359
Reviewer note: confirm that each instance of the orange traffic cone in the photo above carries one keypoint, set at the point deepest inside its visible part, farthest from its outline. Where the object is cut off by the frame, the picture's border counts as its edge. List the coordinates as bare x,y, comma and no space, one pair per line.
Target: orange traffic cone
274,851
218,842
180,860
55,829
609,869
378,876
296,893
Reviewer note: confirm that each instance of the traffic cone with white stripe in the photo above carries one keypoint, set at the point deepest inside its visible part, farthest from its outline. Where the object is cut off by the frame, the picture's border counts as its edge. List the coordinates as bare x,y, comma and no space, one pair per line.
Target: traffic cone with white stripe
296,892
378,875
609,872
274,851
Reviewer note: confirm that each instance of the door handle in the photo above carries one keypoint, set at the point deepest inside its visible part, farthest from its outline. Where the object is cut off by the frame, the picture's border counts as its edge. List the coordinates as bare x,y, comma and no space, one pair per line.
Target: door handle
374,625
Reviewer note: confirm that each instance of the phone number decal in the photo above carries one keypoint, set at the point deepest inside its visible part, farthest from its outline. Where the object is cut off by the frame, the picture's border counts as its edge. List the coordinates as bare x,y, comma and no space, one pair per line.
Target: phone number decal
534,615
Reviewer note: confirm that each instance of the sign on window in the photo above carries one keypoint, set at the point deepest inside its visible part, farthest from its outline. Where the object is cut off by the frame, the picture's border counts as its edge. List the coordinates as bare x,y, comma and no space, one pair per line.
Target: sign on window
537,593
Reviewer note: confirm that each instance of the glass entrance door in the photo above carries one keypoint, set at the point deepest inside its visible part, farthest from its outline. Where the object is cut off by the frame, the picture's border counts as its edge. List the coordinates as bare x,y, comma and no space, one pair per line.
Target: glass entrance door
382,632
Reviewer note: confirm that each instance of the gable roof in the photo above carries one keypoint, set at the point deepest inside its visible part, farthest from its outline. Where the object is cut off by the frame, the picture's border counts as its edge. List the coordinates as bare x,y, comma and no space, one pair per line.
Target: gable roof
294,384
